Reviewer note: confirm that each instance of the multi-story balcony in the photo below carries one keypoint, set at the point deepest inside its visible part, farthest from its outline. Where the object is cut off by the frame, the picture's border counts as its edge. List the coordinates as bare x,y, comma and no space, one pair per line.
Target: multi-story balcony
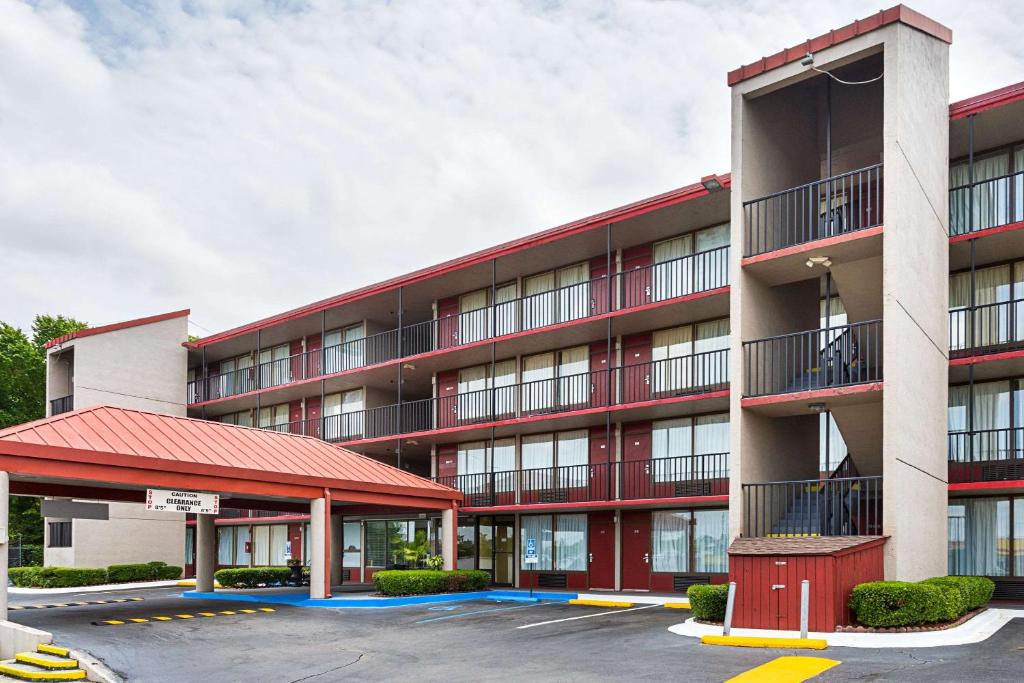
627,385
814,359
986,328
644,286
985,204
986,455
842,504
63,404
821,209
683,476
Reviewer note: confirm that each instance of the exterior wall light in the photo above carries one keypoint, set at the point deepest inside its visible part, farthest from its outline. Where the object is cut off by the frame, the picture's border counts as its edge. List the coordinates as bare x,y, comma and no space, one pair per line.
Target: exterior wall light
819,261
817,408
711,183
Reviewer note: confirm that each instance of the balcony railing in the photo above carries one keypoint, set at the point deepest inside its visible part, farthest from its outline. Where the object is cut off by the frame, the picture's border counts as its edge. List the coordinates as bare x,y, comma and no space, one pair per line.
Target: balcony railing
700,272
63,404
986,204
673,377
690,475
816,359
824,208
986,328
840,506
986,455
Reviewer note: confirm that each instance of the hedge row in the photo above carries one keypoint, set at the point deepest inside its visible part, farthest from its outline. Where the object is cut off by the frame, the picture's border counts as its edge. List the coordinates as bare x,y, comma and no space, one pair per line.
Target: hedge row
707,603
67,577
424,581
252,577
899,603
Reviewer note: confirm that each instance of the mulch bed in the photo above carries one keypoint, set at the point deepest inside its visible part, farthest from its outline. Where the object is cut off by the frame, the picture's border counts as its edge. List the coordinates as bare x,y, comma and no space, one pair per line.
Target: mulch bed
939,626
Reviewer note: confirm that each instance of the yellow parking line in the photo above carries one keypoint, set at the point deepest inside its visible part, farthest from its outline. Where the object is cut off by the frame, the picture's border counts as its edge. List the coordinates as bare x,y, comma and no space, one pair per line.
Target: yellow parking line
786,670
758,641
677,605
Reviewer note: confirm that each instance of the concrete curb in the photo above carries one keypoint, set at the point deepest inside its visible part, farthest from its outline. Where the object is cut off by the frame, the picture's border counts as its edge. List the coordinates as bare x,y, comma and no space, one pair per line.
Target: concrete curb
976,630
777,643
94,669
92,589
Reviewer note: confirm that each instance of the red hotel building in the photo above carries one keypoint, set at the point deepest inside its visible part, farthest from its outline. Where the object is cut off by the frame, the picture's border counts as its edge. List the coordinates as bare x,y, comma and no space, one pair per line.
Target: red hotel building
638,388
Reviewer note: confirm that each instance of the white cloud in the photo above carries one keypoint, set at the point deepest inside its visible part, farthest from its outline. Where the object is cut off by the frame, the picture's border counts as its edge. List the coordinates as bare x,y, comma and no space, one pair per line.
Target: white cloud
241,158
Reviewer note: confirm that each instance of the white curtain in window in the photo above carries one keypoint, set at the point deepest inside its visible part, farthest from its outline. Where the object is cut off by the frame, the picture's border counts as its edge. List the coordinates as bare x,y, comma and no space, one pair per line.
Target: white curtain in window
959,301
574,380
571,543
274,417
712,238
473,401
538,386
503,461
991,412
672,274
353,347
261,546
992,286
280,547
539,300
990,199
671,444
979,537
474,321
275,367
472,462
225,544
710,541
956,417
573,292
241,540
572,457
538,528
506,309
670,541
353,410
1018,536
711,440
538,453
670,354
503,382
711,343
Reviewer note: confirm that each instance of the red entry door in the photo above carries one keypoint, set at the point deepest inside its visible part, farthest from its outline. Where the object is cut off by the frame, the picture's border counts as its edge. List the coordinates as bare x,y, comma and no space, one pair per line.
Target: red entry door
636,550
601,478
600,374
635,374
601,544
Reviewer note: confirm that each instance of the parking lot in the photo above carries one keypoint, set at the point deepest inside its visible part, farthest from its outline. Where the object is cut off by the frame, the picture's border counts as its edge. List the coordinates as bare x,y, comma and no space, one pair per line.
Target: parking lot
215,640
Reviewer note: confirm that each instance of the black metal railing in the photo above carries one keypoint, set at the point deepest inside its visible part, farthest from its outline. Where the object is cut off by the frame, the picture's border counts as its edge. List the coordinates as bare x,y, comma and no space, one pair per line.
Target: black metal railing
700,373
986,455
987,327
692,274
824,208
986,204
840,506
815,359
63,404
691,475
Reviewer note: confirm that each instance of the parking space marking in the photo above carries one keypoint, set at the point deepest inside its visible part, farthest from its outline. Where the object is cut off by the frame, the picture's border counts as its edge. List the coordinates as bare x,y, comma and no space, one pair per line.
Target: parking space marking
146,620
786,670
75,604
586,616
483,611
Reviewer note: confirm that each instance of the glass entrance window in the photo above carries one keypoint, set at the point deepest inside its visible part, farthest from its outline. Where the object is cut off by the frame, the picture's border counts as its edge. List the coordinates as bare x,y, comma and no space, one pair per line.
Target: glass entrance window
466,544
352,544
979,536
560,540
690,541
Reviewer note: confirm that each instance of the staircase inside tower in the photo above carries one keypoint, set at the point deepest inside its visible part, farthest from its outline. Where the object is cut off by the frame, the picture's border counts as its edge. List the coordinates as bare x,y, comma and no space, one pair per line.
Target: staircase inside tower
842,504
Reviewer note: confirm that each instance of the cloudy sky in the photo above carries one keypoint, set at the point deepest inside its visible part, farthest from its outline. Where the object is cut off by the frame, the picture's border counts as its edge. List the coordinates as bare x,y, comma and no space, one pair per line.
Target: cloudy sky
241,158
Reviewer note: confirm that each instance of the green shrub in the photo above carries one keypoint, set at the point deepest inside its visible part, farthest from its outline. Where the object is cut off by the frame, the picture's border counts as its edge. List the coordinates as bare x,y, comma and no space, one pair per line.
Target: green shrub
897,603
150,571
23,577
252,577
953,606
31,555
424,581
976,590
708,602
65,577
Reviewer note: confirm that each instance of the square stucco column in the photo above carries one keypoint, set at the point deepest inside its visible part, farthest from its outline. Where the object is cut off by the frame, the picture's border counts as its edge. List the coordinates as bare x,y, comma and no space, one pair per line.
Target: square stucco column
5,490
337,548
206,552
449,537
320,548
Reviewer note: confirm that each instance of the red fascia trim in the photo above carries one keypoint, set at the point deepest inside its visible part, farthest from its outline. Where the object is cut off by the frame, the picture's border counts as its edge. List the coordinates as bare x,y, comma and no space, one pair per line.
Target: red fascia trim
1009,227
899,13
537,418
798,396
671,198
113,327
987,485
812,246
228,521
986,358
687,500
483,342
990,100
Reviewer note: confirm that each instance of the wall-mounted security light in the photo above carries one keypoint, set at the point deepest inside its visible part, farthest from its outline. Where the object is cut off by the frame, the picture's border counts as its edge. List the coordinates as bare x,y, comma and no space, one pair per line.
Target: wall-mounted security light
808,60
711,183
817,408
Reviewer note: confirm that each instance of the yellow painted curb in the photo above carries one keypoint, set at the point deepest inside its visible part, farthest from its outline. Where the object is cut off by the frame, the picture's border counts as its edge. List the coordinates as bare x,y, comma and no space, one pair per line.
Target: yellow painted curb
42,675
191,583
677,605
786,670
758,641
53,650
600,603
44,663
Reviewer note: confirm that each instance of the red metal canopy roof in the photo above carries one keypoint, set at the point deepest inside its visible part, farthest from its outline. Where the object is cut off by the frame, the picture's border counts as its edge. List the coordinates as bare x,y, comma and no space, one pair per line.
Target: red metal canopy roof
119,446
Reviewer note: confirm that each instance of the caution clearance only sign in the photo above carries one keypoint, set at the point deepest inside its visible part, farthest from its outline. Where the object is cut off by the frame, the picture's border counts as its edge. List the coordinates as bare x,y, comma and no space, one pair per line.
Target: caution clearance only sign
162,500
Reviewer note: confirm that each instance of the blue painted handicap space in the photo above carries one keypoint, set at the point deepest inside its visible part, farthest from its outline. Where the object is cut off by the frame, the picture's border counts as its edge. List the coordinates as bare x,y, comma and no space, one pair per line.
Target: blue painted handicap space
511,598
443,608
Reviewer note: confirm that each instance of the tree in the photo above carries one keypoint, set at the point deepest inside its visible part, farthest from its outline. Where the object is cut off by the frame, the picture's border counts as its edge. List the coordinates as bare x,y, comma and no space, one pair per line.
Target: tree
23,399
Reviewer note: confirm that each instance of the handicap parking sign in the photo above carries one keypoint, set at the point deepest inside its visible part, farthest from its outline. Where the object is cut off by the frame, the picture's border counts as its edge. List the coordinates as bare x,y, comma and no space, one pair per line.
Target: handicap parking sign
531,551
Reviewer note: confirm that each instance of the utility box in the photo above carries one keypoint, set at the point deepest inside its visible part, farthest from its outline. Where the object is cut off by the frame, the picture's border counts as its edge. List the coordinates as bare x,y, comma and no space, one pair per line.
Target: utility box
768,572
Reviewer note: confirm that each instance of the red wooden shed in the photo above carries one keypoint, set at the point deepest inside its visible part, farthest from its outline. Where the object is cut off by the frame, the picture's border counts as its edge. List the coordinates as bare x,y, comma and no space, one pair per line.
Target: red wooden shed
768,572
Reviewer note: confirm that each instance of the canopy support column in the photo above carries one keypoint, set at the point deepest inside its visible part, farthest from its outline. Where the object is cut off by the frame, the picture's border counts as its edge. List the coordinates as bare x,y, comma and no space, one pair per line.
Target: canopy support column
5,498
206,552
320,547
449,538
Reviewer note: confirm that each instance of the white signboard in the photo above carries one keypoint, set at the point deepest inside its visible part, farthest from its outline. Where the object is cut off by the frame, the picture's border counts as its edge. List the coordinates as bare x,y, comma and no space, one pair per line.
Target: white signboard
162,500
